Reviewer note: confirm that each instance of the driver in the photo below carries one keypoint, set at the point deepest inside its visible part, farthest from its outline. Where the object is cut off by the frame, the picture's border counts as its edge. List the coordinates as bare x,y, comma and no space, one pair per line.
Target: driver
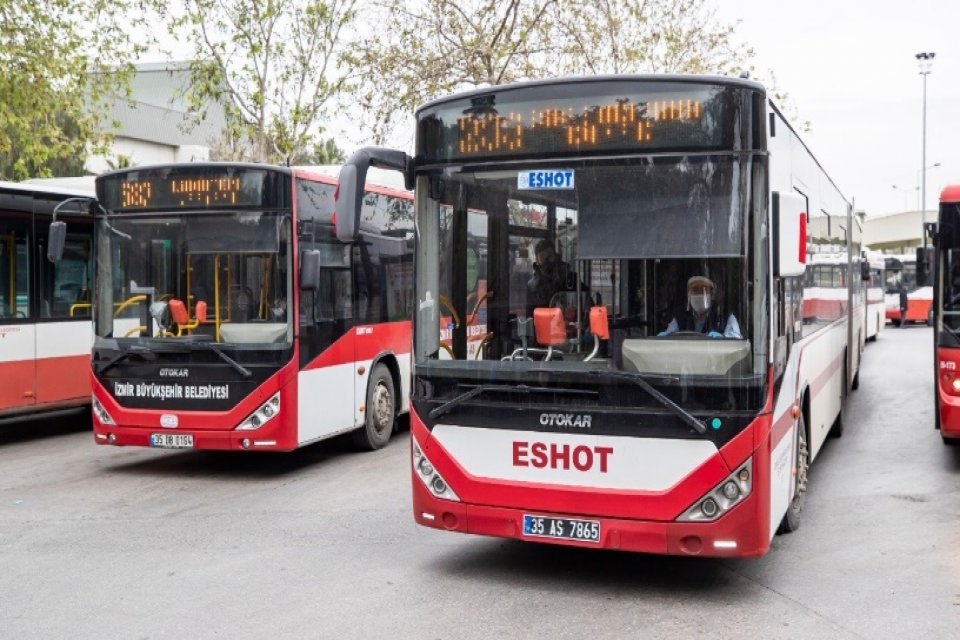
701,315
549,275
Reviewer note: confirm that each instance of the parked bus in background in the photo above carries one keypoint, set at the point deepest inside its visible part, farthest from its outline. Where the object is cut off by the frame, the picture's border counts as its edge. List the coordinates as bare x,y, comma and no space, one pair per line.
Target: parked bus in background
901,272
946,316
45,331
229,315
648,378
876,304
830,285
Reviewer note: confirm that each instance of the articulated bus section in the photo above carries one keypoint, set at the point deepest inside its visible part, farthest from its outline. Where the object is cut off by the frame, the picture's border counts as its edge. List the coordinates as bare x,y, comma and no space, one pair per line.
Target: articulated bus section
659,366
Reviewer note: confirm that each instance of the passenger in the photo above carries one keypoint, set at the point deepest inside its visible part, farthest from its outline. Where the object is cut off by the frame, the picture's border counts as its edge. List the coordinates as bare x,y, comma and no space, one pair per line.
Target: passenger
903,306
701,315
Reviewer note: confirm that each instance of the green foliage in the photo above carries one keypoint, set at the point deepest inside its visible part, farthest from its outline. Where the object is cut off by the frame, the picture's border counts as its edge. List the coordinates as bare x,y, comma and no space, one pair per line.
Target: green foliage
428,48
324,152
58,60
272,64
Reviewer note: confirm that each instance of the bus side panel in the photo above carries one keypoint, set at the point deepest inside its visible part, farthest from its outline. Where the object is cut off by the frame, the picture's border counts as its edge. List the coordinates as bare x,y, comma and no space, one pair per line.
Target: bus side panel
63,361
821,370
375,343
17,367
325,402
782,442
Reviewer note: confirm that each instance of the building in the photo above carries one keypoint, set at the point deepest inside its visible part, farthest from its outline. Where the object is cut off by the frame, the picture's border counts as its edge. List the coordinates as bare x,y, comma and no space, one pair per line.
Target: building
895,232
154,124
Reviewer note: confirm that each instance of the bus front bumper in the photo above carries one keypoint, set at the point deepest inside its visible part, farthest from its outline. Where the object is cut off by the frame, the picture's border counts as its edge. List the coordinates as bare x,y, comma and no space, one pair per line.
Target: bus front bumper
735,534
273,436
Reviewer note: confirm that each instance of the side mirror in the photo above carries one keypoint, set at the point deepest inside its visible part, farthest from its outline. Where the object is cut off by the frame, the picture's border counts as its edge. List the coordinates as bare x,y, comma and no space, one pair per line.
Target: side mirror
789,234
310,270
353,177
864,270
347,202
56,238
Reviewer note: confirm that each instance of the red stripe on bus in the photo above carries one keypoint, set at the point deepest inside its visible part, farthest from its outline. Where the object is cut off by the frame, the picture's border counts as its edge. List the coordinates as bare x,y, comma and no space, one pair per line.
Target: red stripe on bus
781,426
17,388
821,380
364,342
63,378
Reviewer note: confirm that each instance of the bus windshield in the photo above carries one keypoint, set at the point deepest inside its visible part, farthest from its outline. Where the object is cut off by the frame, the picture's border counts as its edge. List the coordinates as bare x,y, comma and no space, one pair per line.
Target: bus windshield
228,272
632,265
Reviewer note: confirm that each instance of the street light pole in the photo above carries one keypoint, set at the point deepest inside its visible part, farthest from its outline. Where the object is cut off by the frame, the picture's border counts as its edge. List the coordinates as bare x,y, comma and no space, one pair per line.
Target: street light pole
925,60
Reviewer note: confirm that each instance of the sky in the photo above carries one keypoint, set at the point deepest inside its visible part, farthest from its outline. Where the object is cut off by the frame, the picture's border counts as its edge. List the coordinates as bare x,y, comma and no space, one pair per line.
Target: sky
850,69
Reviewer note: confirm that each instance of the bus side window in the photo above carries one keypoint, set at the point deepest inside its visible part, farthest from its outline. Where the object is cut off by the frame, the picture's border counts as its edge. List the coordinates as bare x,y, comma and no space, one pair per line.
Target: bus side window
65,285
14,275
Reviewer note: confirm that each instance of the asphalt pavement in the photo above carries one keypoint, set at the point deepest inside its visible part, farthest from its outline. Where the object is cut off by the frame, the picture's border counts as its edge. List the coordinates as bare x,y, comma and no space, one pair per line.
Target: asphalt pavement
102,542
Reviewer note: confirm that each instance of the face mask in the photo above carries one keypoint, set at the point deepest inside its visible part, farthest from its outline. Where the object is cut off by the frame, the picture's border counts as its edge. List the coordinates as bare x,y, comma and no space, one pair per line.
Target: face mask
700,302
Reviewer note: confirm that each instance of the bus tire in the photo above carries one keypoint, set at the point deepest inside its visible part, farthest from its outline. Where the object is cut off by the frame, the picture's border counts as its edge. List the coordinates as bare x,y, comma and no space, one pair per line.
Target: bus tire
950,442
855,384
791,519
380,411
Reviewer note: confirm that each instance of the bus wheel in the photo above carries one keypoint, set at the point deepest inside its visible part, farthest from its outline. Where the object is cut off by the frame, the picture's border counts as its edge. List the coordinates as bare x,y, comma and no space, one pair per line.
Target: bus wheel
380,412
855,384
791,519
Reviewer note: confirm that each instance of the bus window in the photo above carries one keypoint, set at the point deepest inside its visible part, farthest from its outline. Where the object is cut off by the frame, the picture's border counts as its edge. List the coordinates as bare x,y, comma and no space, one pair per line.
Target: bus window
65,285
14,275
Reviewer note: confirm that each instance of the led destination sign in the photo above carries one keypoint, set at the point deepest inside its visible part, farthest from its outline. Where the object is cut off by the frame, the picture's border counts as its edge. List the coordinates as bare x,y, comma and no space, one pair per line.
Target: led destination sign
579,117
200,188
592,126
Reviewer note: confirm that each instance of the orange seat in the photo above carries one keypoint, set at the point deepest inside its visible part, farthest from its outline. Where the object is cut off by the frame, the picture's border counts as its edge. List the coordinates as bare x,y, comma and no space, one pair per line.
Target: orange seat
549,327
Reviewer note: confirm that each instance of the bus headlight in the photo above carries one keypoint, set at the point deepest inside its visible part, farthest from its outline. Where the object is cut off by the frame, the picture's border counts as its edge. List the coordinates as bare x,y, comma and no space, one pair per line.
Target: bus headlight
423,469
731,491
264,414
101,413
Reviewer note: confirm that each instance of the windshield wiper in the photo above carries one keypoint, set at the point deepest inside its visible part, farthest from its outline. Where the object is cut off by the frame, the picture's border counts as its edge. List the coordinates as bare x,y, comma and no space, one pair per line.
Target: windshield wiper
501,388
239,368
140,352
638,379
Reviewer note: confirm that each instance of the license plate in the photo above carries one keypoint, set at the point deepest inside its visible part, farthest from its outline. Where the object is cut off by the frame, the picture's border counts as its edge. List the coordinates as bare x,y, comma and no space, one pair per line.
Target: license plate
171,440
561,528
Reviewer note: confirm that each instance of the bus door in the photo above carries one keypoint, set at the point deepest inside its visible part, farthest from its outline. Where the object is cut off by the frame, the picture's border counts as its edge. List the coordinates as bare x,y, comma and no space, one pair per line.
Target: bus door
17,323
326,391
64,308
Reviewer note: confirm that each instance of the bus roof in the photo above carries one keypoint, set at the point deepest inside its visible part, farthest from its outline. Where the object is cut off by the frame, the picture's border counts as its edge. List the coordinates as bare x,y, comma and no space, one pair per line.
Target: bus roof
567,80
950,193
378,180
78,187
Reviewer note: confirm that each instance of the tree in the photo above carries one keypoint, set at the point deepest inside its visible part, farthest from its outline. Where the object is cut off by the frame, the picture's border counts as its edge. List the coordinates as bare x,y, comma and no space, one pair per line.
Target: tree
272,64
58,61
324,152
432,47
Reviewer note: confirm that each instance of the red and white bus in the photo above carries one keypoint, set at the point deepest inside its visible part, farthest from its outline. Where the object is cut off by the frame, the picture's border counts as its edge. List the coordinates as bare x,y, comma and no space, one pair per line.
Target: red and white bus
45,331
229,316
876,303
901,271
599,410
946,315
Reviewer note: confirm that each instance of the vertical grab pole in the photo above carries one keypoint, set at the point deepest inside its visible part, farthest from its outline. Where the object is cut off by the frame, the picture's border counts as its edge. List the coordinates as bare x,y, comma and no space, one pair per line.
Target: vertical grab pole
216,296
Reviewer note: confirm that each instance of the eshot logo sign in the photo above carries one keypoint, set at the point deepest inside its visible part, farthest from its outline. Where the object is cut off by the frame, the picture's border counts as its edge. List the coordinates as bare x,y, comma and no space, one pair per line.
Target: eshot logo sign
547,179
